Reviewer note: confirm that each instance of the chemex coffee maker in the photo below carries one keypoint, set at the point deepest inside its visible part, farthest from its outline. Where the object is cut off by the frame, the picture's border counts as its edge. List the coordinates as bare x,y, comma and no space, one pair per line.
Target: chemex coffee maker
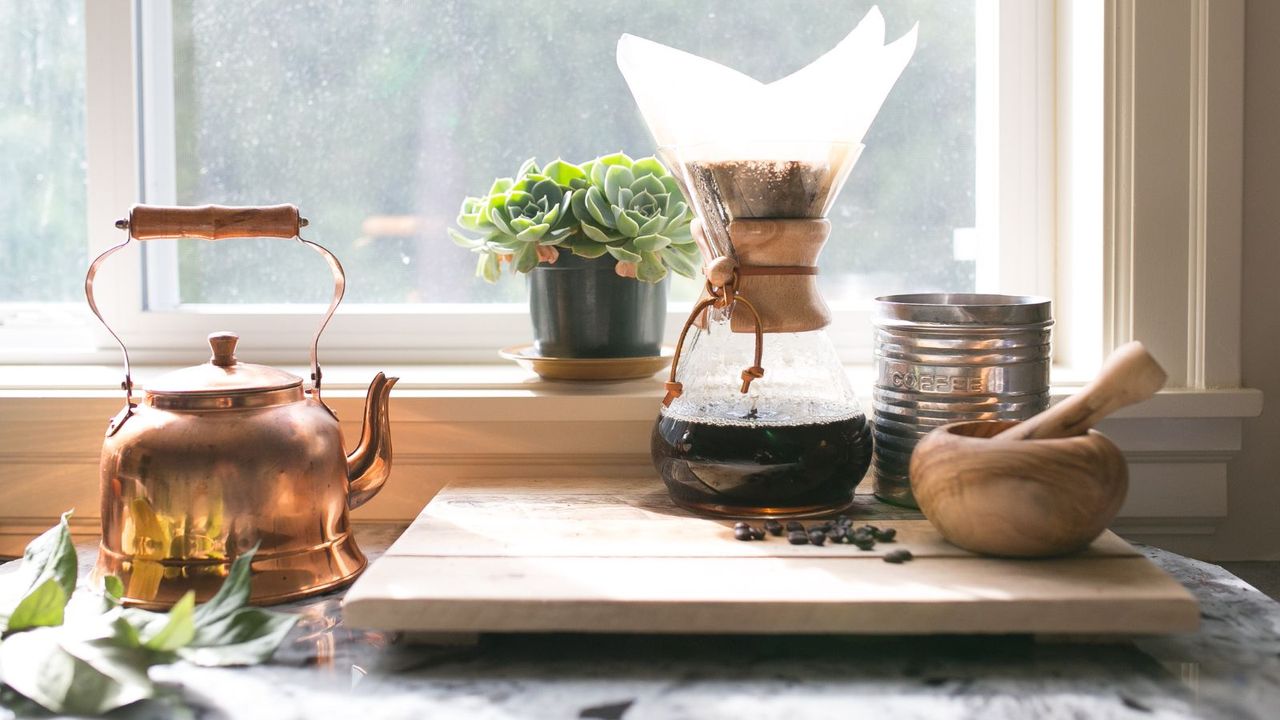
217,459
759,418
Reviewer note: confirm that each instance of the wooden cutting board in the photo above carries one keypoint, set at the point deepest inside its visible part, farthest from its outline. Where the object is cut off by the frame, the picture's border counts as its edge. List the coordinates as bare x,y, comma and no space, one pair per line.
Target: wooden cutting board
614,555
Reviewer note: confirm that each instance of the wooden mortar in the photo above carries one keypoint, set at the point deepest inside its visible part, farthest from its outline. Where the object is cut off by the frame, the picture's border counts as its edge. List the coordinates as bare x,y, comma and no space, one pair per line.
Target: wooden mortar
1046,486
1017,498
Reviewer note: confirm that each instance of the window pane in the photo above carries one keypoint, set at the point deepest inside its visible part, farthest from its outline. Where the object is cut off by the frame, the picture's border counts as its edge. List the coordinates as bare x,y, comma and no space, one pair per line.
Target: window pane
378,118
43,245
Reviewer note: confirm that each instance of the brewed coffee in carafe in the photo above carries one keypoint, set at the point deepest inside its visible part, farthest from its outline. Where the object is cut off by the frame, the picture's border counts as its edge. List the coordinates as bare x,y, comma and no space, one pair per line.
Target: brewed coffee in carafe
759,418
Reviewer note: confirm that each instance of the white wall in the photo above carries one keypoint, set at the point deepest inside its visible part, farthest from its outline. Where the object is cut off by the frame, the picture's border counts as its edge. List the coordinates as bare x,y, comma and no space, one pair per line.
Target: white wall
1252,527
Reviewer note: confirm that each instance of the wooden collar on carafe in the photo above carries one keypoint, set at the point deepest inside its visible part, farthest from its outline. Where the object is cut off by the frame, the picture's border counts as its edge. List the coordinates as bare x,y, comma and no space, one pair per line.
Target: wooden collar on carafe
722,290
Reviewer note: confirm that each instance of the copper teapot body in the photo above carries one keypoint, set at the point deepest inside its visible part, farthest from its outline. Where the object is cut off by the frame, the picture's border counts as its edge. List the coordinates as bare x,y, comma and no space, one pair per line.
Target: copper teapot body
220,458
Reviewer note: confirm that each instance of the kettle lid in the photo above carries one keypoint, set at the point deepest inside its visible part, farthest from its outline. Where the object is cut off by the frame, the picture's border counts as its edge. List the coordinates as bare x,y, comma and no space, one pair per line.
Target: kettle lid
223,374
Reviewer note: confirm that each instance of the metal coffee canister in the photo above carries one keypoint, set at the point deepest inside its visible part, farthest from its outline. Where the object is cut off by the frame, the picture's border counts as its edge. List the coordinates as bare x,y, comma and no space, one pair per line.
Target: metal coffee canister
949,357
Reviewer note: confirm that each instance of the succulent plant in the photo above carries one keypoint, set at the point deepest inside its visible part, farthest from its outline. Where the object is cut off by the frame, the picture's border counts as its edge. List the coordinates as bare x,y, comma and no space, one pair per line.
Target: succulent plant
517,217
632,210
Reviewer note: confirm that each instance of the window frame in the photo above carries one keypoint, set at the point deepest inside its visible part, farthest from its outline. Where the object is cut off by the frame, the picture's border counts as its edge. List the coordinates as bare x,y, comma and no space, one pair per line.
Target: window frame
131,147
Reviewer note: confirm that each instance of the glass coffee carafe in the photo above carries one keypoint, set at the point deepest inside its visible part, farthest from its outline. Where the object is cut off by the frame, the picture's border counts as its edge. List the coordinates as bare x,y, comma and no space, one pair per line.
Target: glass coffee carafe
759,417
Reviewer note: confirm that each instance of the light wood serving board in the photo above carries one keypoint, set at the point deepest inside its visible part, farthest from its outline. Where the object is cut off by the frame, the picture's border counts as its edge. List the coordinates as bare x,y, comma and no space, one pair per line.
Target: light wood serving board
614,555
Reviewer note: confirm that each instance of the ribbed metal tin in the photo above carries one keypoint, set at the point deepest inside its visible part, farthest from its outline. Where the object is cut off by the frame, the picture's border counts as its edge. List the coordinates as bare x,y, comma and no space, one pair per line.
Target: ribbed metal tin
948,357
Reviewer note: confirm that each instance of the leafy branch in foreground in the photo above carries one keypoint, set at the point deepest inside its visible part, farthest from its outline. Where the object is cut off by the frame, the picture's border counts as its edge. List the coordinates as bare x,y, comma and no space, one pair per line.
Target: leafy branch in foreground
96,663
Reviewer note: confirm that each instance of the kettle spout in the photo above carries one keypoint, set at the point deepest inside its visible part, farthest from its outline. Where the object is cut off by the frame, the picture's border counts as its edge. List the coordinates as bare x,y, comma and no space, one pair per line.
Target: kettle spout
369,465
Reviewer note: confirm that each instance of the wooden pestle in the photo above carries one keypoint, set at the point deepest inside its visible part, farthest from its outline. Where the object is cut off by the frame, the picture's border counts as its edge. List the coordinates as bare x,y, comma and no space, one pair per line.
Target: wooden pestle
1130,375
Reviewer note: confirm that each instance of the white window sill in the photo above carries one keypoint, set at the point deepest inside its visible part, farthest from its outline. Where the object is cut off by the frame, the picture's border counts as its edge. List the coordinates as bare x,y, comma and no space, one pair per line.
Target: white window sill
488,383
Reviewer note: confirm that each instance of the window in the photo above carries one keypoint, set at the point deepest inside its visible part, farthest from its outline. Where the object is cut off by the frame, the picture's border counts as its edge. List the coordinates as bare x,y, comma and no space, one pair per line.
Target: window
43,246
376,119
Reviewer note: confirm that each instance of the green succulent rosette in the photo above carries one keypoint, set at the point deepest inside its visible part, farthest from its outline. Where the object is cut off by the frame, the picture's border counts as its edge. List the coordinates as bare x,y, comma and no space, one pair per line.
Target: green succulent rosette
516,217
633,210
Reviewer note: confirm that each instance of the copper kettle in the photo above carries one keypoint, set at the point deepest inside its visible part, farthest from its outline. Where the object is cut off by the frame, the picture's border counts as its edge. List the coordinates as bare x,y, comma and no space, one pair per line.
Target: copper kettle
221,457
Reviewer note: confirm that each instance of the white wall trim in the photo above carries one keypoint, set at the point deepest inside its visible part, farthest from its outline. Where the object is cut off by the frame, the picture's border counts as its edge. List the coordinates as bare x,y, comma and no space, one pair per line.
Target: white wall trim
1173,108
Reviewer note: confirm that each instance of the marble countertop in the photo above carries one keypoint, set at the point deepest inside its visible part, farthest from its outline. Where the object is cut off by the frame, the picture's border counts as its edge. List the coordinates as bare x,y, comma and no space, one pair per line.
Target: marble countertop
1229,669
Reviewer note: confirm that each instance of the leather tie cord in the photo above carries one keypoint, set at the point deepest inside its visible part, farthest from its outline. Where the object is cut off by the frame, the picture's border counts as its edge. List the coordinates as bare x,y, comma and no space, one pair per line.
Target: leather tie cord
724,297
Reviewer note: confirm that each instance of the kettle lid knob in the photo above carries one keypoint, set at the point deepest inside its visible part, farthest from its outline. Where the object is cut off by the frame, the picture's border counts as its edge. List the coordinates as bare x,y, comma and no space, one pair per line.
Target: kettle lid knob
223,344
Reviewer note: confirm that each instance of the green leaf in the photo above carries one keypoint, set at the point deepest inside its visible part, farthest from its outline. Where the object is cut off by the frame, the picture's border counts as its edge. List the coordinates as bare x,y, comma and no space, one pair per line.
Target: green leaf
651,269
563,173
50,557
527,167
616,178
679,211
669,185
622,254
42,607
649,184
681,260
462,240
598,208
533,233
648,166
587,248
495,217
596,234
81,678
487,268
626,224
177,629
234,593
248,636
526,257
653,226
500,185
651,243
680,234
112,591
618,158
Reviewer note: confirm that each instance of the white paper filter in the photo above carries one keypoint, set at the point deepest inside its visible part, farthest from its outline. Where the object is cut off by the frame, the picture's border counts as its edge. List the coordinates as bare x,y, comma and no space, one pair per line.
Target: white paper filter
691,102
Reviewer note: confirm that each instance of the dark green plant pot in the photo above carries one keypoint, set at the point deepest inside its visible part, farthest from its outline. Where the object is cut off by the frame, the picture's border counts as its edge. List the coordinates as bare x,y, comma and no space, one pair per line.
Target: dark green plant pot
582,309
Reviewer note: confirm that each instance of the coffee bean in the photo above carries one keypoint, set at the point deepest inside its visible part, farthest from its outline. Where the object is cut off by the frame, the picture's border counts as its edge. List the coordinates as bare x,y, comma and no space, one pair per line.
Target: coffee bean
795,526
817,537
774,527
865,543
738,525
887,535
898,557
757,533
797,537
742,533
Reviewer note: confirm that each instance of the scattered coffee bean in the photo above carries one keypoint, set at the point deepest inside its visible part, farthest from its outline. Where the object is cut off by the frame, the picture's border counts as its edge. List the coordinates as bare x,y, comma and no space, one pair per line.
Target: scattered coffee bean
738,525
742,533
817,537
836,534
795,526
773,527
898,557
887,535
757,533
797,537
864,543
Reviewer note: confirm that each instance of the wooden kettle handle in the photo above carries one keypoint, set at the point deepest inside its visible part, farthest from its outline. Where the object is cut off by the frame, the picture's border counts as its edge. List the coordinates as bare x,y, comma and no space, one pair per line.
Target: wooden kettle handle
1129,376
213,222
